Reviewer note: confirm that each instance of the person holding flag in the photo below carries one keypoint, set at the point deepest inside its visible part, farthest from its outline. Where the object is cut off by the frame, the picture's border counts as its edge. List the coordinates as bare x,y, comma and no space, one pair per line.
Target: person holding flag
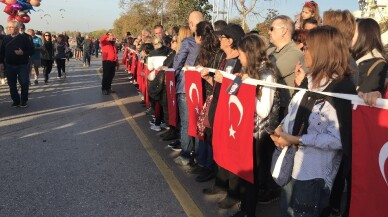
319,126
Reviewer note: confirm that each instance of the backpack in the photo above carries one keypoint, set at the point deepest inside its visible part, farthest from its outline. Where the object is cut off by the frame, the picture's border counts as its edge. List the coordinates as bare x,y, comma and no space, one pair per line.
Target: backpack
155,87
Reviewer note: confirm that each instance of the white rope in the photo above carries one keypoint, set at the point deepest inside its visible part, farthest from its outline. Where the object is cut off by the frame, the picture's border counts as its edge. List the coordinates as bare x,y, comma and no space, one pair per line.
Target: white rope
356,100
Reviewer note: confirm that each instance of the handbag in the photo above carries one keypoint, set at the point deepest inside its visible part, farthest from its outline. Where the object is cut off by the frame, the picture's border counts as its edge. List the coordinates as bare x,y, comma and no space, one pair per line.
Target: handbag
203,118
282,162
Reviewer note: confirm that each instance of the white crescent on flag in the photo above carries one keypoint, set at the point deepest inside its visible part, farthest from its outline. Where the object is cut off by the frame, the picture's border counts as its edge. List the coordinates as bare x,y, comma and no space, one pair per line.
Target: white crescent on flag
383,156
193,87
234,100
171,85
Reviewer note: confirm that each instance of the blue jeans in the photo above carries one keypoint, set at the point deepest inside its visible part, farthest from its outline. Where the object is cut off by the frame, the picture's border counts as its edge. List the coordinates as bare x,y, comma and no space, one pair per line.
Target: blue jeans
18,73
304,198
186,142
205,155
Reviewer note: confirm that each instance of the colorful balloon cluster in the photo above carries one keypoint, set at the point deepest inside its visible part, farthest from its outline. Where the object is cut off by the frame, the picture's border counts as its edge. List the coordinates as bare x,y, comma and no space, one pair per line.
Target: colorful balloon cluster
18,9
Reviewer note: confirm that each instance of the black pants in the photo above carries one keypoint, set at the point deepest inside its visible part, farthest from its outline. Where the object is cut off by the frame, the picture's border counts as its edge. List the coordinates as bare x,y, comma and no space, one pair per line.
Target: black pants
61,66
87,57
108,73
47,67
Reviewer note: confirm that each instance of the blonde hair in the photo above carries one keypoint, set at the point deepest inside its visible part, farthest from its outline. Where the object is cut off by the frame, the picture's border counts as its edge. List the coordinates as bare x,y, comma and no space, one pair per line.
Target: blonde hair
184,32
157,42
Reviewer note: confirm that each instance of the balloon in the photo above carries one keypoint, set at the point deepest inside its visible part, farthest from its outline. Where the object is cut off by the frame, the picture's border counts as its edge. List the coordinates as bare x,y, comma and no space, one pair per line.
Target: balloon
8,2
10,10
26,18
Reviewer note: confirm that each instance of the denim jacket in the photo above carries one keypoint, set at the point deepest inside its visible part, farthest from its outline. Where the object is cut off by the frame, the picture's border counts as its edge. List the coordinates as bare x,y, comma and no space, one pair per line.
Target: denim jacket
186,55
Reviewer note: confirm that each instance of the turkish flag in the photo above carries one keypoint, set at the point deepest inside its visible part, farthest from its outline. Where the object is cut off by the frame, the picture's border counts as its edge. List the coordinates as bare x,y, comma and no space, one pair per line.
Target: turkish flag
145,80
194,99
139,71
233,130
171,97
369,194
133,65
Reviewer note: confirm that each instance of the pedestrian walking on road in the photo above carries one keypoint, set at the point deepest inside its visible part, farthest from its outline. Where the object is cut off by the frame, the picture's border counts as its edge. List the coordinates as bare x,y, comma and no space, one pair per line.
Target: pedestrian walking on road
14,53
60,48
47,56
109,62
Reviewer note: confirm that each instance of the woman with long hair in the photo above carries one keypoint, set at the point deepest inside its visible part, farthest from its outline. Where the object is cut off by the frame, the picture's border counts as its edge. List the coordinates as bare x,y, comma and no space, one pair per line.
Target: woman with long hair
210,56
256,65
60,55
47,55
318,126
368,51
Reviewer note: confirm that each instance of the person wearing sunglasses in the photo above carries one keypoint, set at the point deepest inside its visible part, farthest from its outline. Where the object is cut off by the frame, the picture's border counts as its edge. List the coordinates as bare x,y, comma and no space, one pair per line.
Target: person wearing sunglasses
47,55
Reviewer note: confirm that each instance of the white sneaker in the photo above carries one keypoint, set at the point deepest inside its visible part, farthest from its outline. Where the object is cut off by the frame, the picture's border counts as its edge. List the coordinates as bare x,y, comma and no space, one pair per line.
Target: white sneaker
181,161
156,128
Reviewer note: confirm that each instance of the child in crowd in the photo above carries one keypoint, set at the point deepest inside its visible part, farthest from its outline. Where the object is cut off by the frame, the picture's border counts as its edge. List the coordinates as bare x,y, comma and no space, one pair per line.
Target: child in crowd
310,9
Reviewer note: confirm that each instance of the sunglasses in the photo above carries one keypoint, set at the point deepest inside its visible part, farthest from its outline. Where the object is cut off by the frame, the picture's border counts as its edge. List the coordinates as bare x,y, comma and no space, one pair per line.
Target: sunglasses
276,27
47,35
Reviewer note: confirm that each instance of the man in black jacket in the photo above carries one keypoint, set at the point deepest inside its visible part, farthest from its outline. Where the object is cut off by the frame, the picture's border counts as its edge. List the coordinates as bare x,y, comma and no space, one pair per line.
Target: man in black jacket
14,54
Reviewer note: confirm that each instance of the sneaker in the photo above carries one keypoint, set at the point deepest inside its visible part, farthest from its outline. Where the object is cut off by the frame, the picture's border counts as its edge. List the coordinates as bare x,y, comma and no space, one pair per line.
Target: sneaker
36,82
176,146
23,105
105,92
164,125
156,128
152,122
64,74
227,203
3,81
268,196
181,161
15,105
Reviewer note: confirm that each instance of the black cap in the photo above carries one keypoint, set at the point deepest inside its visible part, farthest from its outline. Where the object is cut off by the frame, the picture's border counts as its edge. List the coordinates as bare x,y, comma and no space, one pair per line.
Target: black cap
233,31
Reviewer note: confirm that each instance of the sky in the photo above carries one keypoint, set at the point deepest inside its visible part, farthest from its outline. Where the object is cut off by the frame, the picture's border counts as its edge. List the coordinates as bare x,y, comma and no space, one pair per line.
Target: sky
90,15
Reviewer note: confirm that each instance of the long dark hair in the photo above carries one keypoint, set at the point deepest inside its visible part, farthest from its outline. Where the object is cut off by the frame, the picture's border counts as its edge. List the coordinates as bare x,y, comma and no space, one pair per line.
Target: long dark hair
257,60
369,38
209,43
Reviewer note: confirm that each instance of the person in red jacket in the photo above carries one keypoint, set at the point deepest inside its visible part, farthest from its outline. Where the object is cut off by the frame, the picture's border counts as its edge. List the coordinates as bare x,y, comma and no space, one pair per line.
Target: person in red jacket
109,62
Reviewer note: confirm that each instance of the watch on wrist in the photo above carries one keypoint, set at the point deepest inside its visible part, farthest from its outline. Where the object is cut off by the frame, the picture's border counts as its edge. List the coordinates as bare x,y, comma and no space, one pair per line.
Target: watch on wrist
300,141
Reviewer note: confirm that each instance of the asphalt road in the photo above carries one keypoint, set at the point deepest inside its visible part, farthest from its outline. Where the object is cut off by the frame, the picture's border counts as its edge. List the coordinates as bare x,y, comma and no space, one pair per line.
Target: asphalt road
76,152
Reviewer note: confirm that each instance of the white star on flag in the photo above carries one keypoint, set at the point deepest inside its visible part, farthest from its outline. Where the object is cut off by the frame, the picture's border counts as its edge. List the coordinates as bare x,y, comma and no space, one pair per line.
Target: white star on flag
232,132
197,110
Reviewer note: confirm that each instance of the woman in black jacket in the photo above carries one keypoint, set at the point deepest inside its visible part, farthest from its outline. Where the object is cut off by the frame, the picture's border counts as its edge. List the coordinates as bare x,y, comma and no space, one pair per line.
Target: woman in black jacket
368,51
47,56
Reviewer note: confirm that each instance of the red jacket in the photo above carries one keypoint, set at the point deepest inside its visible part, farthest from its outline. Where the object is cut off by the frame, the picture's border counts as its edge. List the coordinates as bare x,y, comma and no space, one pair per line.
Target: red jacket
108,49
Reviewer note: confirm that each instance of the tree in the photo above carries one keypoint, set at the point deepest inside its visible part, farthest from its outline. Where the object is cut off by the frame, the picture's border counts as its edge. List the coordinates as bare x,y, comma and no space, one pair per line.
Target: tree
244,10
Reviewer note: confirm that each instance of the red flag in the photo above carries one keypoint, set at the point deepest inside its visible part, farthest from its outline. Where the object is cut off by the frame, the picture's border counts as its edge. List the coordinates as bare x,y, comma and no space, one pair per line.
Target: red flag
145,80
139,71
171,97
369,163
133,65
194,99
233,130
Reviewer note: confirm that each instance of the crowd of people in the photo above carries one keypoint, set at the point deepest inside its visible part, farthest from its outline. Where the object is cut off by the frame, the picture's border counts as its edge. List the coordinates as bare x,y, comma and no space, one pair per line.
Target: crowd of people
335,53
351,60
43,51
